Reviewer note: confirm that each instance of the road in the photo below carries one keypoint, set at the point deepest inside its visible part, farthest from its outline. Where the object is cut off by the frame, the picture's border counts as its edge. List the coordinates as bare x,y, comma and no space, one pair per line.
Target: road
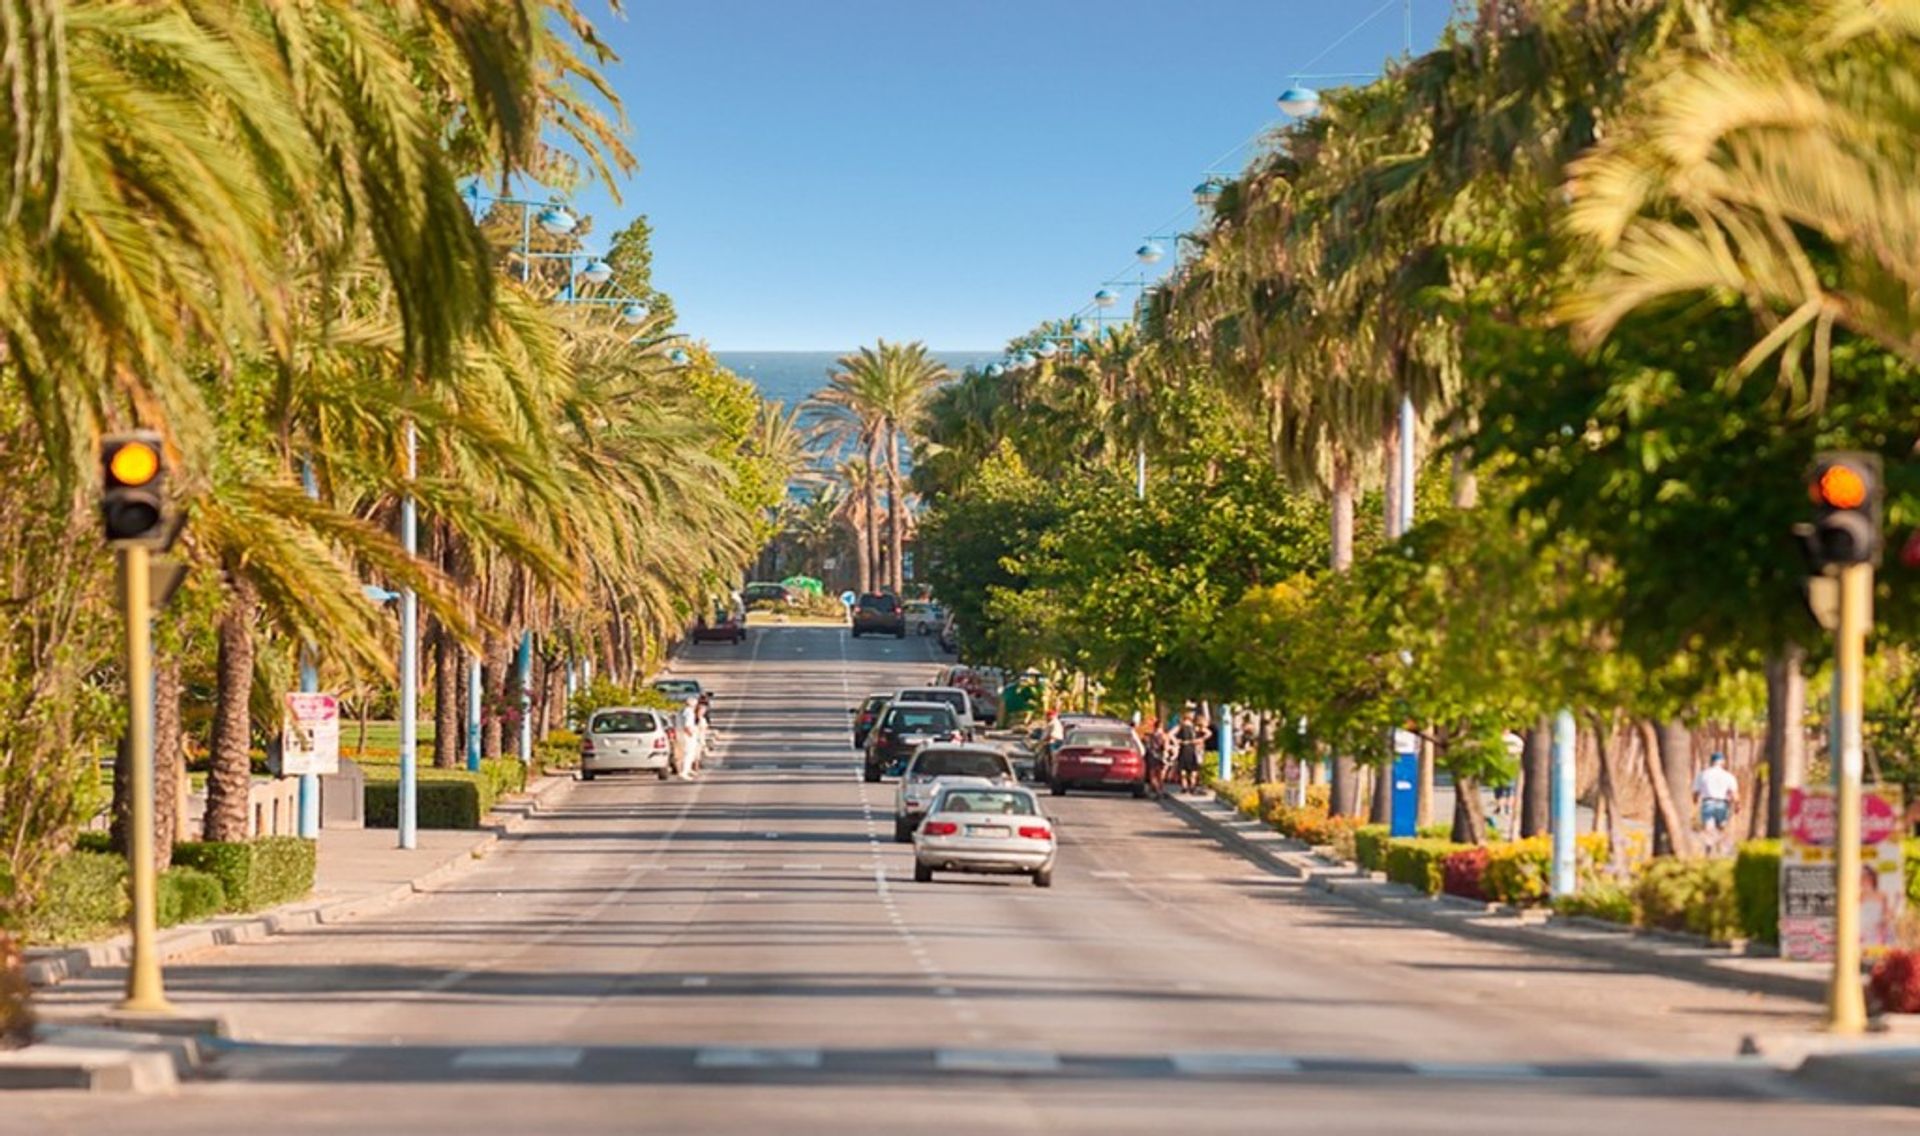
749,953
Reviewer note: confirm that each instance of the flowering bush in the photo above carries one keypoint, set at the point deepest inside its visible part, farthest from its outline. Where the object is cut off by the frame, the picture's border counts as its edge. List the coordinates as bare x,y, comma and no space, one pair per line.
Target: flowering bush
1608,901
1419,863
1464,873
1894,986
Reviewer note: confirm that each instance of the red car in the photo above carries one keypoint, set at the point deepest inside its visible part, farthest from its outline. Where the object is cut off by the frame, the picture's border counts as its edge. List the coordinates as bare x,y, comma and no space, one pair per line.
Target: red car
721,627
1099,757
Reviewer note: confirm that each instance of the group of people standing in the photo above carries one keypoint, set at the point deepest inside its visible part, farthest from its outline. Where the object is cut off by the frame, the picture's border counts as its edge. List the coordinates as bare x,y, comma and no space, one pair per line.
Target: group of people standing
1174,751
693,733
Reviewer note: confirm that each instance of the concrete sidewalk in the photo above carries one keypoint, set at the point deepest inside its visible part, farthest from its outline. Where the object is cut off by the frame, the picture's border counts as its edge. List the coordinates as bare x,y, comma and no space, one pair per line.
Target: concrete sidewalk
358,871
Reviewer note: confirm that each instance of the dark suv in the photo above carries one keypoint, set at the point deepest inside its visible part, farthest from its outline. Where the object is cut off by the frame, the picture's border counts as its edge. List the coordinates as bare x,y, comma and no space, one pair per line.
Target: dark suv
902,729
878,613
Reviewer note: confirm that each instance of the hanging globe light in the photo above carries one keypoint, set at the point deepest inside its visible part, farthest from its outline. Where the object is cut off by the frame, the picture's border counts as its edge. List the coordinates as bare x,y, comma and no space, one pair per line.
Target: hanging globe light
1299,102
556,220
635,313
1105,299
597,271
1148,253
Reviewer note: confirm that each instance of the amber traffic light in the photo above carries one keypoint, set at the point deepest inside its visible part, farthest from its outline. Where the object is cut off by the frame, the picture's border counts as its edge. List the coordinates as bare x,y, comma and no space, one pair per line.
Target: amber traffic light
133,477
1846,490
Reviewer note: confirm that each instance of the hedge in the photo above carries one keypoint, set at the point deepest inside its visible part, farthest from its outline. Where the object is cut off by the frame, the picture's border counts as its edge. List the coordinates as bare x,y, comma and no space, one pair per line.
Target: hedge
1463,873
187,895
1419,863
444,798
85,897
1695,896
258,873
1607,901
1370,846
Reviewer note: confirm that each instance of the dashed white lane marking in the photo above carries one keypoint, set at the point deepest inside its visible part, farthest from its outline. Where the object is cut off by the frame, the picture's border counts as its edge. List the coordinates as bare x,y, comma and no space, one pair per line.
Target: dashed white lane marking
726,867
1214,1064
519,1058
1111,875
743,1057
771,835
1186,877
695,980
802,867
996,1061
945,991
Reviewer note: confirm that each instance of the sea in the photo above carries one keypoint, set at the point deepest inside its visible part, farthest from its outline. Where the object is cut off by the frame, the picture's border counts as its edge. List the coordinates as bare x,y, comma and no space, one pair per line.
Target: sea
790,376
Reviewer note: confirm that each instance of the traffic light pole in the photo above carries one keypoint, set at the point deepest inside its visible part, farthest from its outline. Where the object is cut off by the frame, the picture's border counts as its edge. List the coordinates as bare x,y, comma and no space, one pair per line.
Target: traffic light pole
146,993
1846,1003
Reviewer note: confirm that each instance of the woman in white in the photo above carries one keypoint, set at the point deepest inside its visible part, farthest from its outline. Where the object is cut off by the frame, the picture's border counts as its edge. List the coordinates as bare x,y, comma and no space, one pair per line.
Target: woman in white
686,754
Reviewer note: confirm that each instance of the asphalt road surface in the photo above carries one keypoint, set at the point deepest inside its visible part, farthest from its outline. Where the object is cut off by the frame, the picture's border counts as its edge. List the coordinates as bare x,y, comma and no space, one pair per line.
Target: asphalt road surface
748,953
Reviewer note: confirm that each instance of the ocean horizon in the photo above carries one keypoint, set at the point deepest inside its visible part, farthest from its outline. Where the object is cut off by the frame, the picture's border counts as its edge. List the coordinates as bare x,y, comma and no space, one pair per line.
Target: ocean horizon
791,376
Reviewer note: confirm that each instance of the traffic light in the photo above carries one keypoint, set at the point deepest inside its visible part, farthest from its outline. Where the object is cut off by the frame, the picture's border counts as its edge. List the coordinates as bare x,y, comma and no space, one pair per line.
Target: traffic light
1846,490
133,474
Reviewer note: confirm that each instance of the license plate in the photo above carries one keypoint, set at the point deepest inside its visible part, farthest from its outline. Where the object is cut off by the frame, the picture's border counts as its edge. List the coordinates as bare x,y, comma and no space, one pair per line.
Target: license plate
1097,760
988,830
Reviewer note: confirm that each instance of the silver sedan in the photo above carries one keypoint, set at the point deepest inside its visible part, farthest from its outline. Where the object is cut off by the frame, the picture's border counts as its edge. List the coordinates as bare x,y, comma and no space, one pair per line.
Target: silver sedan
997,829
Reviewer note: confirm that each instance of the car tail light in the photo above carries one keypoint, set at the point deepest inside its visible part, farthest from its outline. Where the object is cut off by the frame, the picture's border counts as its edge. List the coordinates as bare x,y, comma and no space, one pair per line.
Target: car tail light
586,747
1035,832
660,743
939,828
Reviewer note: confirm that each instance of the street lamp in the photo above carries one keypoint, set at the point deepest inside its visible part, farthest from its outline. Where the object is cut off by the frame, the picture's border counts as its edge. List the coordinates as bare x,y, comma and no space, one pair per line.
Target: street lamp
1148,253
597,271
1208,192
995,370
678,357
1046,350
556,220
635,313
1104,299
1299,102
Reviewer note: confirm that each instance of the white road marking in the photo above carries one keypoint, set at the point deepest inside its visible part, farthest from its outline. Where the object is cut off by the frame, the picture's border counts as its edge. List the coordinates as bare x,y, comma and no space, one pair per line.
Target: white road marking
519,1057
945,991
802,867
695,980
745,1057
996,1061
1205,1064
1186,877
1111,875
1474,1072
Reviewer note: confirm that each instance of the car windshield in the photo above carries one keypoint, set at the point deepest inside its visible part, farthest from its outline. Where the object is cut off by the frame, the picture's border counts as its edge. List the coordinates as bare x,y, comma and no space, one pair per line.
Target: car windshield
623,722
1001,801
920,718
960,763
1101,739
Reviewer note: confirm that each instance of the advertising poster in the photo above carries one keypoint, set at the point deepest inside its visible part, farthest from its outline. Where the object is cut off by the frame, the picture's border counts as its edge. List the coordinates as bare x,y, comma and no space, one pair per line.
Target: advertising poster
1806,874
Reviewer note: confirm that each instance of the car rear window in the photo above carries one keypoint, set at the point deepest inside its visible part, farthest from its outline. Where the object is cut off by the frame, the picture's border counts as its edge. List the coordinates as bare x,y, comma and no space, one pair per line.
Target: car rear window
918,719
624,722
953,698
879,603
875,703
960,763
677,686
999,801
1102,739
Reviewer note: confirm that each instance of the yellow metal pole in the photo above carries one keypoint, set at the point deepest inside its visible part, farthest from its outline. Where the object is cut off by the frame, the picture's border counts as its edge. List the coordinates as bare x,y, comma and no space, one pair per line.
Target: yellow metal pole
145,992
1846,1002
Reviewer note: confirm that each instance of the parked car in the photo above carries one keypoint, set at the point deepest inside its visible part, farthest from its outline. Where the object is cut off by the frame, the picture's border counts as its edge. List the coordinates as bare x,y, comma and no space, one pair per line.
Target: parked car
879,613
953,696
949,639
678,689
920,782
923,617
763,591
1071,721
723,627
1099,757
865,715
985,828
626,739
903,728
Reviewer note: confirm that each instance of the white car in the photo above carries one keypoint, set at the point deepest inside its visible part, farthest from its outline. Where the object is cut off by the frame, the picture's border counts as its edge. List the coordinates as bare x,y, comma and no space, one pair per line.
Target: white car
678,689
953,696
936,766
923,618
995,829
626,739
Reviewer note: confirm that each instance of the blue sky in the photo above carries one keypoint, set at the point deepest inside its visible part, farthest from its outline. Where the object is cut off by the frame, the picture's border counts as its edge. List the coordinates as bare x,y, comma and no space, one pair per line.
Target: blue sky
822,173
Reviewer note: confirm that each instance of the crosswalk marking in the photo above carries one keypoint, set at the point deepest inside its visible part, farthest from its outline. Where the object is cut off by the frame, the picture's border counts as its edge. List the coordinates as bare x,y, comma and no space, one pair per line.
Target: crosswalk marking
519,1057
996,1061
748,1057
1217,1064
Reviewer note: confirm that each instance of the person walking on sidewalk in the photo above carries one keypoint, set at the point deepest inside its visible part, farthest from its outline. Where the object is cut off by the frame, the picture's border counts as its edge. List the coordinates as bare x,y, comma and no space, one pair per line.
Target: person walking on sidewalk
686,749
1718,792
1191,738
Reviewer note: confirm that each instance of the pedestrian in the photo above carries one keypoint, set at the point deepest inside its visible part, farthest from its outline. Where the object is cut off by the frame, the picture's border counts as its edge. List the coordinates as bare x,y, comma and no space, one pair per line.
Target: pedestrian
703,713
1718,792
1191,739
687,739
1158,747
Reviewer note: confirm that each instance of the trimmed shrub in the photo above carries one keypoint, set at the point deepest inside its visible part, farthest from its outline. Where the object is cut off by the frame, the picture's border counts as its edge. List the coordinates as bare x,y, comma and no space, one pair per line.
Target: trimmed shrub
1370,846
85,897
255,874
1894,985
1756,889
1419,863
1518,871
1695,896
1607,901
1439,830
188,894
93,840
444,798
1463,873
504,776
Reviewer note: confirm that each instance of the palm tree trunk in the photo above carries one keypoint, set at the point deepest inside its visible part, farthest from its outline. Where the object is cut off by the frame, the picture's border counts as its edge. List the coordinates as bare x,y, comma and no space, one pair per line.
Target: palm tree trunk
169,759
1344,793
446,698
863,559
896,519
230,768
1536,779
1607,739
1786,760
873,511
493,678
1390,456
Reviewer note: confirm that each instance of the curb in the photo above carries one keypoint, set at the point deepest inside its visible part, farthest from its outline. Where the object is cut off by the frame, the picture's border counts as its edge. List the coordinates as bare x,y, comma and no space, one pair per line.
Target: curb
50,967
100,1060
1664,956
1887,1075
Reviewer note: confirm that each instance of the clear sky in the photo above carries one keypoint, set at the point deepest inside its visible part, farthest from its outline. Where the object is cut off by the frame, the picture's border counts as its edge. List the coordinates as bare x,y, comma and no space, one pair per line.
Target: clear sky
822,173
